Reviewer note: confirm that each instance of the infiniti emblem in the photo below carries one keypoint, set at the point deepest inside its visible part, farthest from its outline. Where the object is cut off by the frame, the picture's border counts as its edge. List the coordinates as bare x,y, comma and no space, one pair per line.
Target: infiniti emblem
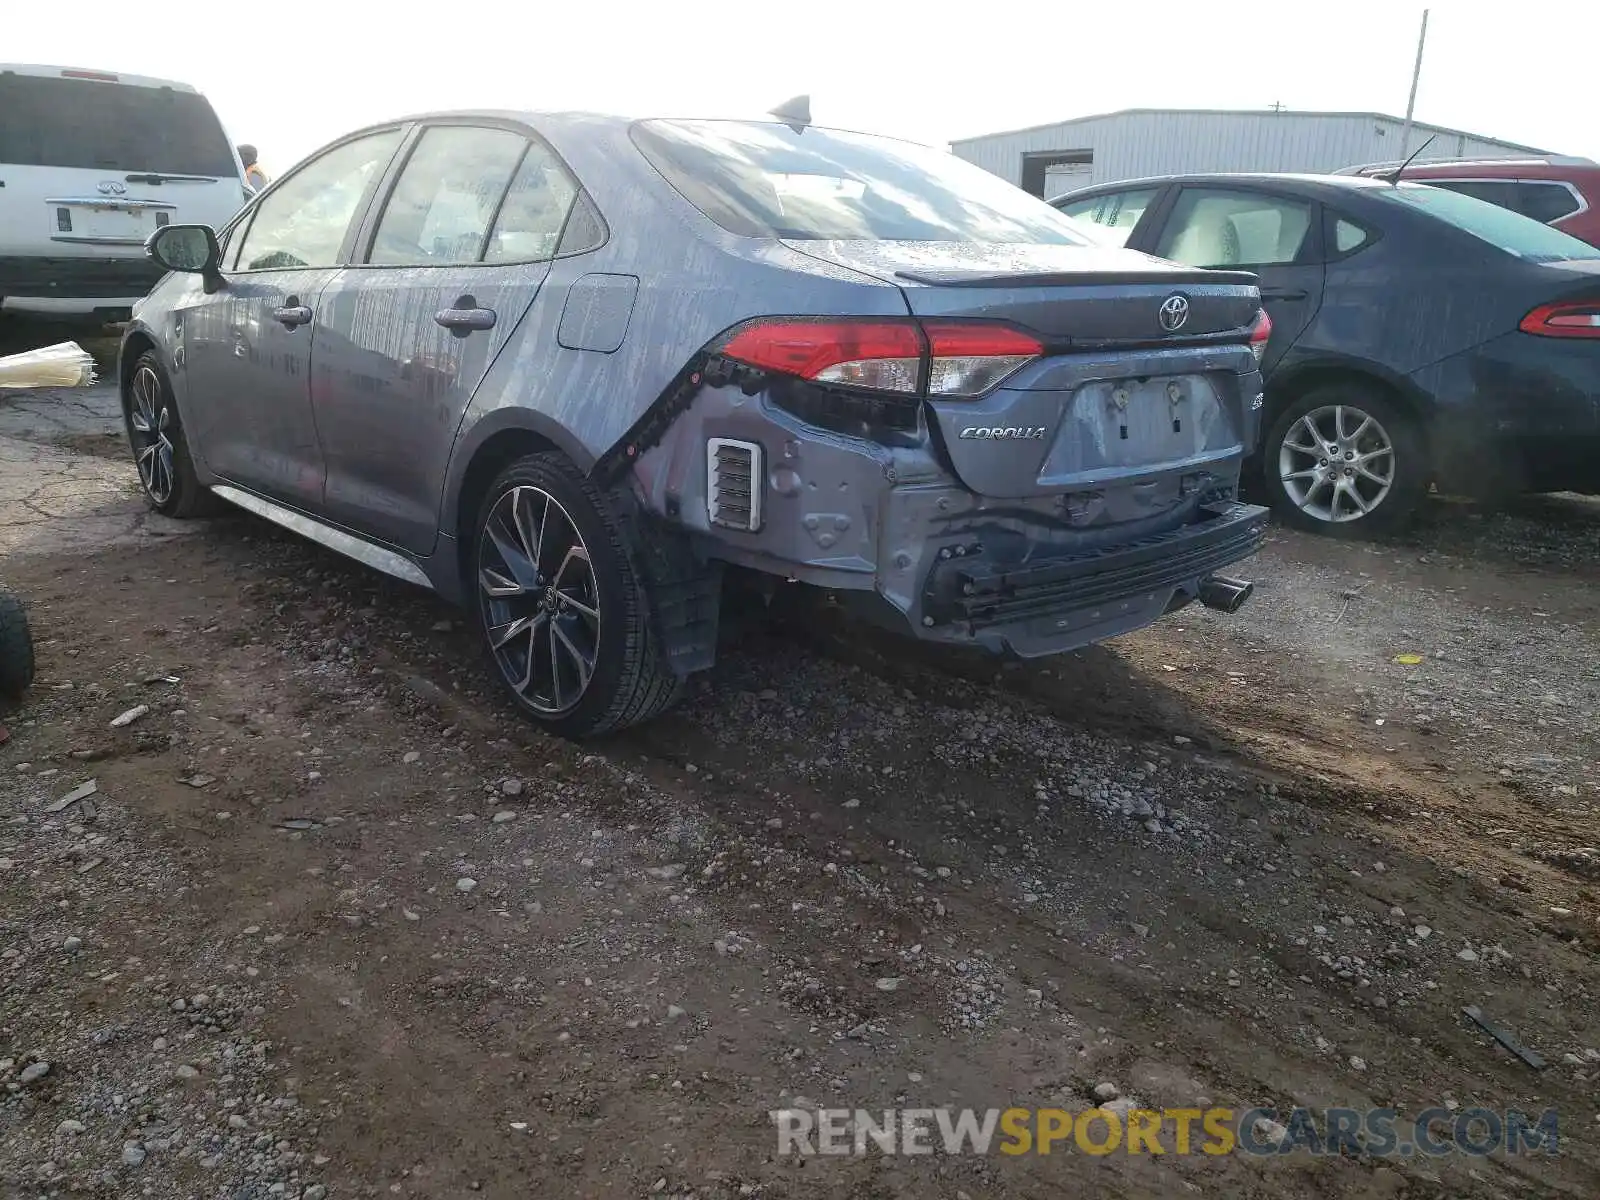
1174,312
112,188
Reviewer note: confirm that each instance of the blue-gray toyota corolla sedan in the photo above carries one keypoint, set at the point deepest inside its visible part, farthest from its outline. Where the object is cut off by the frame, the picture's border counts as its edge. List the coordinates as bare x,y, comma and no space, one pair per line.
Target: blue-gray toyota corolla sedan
566,369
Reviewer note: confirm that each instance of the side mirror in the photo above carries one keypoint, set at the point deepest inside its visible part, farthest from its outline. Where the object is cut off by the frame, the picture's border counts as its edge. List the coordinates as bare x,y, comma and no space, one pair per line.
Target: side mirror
191,249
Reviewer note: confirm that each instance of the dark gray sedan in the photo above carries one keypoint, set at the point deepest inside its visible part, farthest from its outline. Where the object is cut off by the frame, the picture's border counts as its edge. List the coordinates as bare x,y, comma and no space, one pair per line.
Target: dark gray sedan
565,369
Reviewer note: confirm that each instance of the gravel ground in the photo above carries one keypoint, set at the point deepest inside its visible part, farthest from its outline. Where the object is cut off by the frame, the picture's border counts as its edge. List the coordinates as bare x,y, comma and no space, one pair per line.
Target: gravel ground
334,922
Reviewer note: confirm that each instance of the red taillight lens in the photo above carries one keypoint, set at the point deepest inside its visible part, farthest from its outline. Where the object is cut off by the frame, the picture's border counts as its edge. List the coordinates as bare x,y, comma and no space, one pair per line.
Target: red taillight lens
1580,319
969,358
956,358
1260,331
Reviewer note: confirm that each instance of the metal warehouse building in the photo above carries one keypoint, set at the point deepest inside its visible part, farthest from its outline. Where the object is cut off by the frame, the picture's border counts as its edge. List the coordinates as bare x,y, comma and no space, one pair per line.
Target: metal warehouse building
1048,160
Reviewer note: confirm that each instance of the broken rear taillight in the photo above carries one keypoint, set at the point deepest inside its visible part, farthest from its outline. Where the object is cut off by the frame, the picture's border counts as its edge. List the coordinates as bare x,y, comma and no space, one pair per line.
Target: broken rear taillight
951,359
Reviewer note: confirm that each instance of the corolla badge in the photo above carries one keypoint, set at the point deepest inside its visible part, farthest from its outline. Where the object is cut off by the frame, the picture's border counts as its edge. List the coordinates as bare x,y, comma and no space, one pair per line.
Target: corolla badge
1003,433
1174,312
110,187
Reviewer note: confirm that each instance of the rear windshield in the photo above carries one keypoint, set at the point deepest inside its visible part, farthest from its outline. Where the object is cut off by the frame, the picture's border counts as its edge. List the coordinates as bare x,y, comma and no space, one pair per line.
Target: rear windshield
766,180
1510,231
47,121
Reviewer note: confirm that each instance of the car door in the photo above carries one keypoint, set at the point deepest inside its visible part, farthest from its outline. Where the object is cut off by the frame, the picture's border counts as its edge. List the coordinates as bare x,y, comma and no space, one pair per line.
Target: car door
248,346
1114,214
450,260
1277,236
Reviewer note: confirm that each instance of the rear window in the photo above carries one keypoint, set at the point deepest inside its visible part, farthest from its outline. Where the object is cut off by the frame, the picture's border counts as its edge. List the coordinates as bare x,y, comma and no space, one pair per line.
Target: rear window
47,121
1500,227
766,180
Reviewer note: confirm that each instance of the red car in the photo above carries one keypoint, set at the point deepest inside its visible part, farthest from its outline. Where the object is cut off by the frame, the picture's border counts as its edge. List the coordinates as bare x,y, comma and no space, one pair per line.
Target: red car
1559,191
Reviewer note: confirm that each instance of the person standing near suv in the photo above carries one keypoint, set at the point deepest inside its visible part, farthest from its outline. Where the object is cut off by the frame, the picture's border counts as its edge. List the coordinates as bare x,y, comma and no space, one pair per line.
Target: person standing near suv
253,174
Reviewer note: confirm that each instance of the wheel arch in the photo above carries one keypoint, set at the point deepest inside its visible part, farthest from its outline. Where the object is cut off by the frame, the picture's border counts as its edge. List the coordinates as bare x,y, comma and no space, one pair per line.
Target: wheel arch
493,444
135,346
1302,379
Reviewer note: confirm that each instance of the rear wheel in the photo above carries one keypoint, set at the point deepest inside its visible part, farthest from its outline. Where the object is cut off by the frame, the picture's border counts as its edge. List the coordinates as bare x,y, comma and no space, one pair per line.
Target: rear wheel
1344,460
562,603
160,450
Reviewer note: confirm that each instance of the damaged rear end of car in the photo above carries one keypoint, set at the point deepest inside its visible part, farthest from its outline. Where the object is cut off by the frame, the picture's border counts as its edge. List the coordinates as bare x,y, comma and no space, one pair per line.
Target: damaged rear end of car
1042,452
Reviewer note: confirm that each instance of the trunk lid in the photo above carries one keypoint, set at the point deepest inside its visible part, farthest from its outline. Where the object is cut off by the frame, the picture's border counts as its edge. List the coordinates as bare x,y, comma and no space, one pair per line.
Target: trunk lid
1132,415
1074,297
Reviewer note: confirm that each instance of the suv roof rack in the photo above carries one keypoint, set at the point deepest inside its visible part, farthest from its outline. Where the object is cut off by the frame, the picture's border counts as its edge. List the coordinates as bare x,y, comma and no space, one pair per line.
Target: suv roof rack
1549,160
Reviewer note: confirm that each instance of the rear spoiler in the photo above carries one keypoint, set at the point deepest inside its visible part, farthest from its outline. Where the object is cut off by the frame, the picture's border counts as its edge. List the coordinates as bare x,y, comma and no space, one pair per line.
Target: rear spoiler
1173,278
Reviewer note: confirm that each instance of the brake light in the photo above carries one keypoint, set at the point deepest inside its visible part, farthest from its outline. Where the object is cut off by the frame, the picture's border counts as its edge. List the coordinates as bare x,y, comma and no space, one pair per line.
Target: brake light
883,355
1578,319
97,76
968,358
1260,331
950,358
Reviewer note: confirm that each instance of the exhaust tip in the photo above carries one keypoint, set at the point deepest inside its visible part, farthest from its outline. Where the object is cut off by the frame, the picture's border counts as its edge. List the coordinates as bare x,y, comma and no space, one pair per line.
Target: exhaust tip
1224,594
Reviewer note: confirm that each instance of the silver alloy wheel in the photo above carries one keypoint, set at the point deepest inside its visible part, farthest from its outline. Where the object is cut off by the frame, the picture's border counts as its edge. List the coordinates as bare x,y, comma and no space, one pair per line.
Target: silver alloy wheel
1337,463
541,603
152,449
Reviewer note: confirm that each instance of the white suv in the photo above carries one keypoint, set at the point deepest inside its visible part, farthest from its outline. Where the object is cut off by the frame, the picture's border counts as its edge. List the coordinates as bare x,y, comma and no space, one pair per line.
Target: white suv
90,164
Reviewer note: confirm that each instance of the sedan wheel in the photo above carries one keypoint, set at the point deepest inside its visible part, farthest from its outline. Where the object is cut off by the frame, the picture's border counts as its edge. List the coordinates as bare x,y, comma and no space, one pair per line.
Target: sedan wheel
563,603
149,419
541,603
1344,460
1337,463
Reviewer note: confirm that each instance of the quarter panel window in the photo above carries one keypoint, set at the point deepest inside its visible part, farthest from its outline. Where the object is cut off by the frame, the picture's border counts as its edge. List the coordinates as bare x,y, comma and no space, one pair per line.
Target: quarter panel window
1547,201
1215,228
440,210
304,221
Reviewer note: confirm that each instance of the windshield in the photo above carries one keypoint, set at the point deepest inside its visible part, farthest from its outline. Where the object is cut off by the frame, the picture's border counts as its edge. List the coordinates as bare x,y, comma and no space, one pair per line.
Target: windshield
1500,227
47,121
766,180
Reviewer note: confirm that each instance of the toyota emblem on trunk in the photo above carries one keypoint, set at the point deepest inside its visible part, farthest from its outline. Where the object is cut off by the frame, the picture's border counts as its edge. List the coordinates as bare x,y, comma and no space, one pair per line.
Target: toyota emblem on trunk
112,188
1174,312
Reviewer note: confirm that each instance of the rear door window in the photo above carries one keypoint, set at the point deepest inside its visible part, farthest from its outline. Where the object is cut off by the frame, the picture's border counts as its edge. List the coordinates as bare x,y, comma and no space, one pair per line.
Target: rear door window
441,209
1115,212
48,121
761,179
1212,227
1491,191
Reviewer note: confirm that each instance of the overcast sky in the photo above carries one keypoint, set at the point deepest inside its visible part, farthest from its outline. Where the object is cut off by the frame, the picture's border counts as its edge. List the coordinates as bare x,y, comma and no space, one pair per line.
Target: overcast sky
291,77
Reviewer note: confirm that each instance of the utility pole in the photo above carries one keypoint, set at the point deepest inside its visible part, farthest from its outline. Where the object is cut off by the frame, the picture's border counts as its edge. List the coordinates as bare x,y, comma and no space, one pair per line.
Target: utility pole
1416,74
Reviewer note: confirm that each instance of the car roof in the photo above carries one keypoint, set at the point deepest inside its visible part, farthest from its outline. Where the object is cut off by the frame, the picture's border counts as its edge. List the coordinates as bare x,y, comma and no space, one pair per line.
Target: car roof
1310,185
94,75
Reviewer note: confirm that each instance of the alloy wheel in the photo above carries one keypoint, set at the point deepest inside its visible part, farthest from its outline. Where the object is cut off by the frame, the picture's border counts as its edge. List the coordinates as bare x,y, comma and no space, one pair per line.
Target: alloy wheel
1337,463
151,419
540,601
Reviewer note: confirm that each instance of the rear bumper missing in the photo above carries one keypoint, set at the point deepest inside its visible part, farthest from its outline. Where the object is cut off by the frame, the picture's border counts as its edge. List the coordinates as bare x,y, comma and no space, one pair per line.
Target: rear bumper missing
1058,599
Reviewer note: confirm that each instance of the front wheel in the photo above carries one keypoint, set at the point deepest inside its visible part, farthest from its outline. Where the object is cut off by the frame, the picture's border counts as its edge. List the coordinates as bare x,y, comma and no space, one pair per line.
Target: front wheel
160,450
563,605
1345,461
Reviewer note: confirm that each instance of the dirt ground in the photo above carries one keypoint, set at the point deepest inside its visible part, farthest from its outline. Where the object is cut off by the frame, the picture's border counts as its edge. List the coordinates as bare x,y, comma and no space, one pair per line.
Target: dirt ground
334,922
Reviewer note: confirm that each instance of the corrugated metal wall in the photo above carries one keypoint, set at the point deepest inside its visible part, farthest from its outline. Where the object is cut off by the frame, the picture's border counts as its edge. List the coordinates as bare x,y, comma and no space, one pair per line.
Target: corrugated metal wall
1133,144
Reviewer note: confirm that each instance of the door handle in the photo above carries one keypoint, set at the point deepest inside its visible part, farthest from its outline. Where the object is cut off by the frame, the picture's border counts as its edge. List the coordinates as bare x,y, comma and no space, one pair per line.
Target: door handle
462,317
1283,293
292,313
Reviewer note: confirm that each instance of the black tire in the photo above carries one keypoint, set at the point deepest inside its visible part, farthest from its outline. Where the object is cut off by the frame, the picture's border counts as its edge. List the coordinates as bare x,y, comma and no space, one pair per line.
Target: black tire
1407,459
16,648
166,473
630,679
